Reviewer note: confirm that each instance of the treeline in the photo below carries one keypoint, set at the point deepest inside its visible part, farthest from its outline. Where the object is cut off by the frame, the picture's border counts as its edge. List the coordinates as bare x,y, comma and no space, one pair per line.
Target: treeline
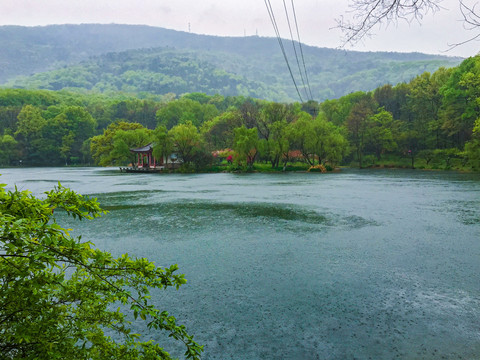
432,121
153,71
185,63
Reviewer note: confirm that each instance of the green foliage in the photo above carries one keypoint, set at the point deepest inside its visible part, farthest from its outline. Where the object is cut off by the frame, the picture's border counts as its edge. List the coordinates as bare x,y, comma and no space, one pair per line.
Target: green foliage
162,143
186,141
183,110
108,149
246,145
8,150
357,124
218,132
165,61
379,137
472,148
407,122
123,141
61,298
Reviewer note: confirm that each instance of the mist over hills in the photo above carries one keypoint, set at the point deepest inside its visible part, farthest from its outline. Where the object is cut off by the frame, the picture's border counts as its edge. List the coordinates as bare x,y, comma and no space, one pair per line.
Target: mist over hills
136,59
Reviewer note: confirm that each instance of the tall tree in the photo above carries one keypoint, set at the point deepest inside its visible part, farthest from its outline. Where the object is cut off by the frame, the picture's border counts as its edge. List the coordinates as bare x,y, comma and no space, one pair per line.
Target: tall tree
124,140
162,143
29,132
8,150
101,146
357,124
379,137
326,141
472,148
186,140
461,101
246,145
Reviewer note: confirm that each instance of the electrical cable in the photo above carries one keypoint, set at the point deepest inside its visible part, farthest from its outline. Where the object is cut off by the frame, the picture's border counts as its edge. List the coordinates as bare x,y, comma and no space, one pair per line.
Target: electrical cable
301,50
277,32
295,50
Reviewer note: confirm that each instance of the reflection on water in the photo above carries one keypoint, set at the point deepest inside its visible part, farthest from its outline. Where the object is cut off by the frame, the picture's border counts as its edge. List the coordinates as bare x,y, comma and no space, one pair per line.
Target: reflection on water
361,264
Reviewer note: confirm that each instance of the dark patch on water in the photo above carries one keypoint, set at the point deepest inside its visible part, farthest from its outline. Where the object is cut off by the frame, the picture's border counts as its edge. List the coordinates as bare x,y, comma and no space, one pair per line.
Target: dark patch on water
207,216
467,211
50,181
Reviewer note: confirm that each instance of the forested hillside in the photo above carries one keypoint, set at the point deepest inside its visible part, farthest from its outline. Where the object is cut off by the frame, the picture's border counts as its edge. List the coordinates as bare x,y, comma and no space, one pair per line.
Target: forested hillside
429,122
170,61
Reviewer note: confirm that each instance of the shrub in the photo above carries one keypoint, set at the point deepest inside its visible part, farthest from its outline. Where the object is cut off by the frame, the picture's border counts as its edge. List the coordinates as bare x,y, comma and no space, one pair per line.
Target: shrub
59,294
317,168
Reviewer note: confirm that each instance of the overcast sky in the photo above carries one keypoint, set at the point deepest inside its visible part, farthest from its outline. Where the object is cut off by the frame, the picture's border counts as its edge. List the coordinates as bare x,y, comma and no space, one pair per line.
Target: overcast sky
316,20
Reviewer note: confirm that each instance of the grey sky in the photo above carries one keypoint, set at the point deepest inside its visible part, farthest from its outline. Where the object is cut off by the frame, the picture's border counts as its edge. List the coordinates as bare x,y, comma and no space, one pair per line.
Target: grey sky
236,18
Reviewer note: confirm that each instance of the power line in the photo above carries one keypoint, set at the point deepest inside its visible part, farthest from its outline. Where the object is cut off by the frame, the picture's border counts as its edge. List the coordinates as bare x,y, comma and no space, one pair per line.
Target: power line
301,51
295,49
275,27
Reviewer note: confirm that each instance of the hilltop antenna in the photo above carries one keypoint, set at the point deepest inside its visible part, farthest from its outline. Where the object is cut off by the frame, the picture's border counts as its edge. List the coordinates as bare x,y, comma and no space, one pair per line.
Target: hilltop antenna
189,28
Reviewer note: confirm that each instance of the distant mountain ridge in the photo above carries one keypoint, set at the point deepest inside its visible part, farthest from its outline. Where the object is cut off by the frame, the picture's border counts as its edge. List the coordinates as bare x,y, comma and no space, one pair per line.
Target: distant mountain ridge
251,66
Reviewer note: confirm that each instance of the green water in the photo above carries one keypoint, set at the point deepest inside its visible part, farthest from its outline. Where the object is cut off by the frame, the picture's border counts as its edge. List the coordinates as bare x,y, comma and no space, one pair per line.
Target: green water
356,265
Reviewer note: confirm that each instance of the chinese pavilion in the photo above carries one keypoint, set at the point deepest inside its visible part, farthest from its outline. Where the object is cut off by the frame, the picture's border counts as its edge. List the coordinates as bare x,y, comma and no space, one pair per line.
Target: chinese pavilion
145,158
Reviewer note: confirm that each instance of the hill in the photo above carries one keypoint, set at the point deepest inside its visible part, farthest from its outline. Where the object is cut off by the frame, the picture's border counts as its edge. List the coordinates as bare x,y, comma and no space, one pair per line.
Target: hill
147,59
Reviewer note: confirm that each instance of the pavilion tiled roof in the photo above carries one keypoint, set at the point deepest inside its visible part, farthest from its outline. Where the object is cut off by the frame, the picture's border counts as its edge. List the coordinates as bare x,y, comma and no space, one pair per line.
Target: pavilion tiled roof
143,149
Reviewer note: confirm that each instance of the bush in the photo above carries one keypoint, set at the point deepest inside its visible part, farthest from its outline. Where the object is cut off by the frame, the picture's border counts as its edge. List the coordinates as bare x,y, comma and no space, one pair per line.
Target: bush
317,168
59,296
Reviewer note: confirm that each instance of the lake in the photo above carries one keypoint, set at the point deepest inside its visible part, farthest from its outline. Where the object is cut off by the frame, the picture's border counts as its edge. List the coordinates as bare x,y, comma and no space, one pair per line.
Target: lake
371,264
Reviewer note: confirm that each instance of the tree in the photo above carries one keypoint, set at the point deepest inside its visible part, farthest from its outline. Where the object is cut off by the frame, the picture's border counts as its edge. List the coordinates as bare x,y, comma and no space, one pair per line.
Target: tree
246,144
461,101
186,140
62,298
8,149
302,134
327,141
101,146
218,132
357,125
123,141
162,144
29,132
278,145
250,112
379,136
472,148
183,110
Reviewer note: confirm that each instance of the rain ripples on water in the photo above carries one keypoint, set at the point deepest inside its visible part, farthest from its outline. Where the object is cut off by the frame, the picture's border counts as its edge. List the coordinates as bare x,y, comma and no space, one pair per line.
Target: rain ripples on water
379,264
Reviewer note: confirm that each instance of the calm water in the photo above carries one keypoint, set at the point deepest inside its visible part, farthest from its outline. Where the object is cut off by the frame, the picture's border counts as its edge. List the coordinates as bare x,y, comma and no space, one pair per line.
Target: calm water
356,265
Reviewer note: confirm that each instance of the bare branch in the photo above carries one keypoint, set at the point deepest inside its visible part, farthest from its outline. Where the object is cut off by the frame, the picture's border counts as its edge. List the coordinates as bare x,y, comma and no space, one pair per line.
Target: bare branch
471,22
470,17
369,13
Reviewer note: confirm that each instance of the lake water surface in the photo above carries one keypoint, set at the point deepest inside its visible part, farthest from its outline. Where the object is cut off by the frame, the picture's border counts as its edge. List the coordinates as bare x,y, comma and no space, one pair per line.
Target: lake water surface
356,265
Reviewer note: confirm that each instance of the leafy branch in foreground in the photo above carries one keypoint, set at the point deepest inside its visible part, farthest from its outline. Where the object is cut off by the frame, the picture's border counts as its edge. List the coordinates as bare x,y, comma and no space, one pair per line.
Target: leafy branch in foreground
58,294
